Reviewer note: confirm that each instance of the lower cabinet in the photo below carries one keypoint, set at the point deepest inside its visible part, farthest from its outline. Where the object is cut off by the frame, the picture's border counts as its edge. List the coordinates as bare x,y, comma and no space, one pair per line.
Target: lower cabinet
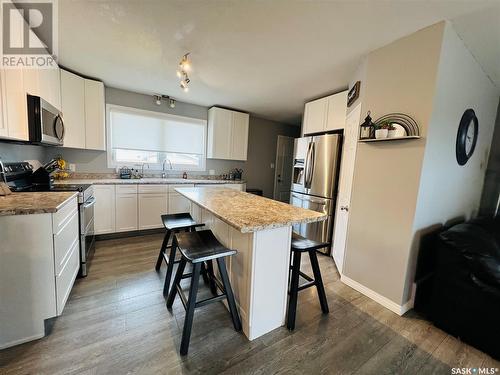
126,212
126,208
129,207
151,207
104,211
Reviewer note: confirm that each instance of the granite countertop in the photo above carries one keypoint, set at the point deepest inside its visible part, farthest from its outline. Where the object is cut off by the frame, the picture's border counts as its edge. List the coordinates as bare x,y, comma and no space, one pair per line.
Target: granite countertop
147,180
33,203
247,212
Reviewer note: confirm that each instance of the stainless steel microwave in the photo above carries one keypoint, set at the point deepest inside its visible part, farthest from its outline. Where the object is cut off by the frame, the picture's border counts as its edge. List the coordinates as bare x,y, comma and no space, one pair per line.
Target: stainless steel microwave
45,122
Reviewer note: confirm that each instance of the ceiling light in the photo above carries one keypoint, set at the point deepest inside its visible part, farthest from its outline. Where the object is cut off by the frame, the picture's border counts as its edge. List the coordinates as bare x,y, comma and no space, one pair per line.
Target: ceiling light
185,64
158,98
182,72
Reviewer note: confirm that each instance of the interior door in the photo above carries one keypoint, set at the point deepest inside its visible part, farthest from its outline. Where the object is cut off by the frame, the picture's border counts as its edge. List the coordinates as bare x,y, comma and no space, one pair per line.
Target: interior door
283,168
345,186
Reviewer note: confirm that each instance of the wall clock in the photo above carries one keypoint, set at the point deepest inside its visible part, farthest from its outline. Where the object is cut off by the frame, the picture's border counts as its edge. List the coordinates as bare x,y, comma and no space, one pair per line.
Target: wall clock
466,136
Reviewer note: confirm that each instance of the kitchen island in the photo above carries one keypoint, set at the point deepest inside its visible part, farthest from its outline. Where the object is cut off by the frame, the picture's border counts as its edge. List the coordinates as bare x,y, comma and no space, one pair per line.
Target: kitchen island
260,230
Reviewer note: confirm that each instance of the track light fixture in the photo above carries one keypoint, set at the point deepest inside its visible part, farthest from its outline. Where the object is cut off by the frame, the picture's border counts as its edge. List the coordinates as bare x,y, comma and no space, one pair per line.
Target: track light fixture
158,98
182,72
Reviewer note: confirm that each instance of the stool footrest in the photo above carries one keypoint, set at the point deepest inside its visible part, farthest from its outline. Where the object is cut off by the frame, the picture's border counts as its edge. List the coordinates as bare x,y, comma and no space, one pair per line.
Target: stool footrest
307,285
209,300
165,258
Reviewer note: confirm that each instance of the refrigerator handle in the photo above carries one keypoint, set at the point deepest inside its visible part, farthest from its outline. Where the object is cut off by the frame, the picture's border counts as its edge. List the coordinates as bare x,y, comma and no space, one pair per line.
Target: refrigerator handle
306,166
312,157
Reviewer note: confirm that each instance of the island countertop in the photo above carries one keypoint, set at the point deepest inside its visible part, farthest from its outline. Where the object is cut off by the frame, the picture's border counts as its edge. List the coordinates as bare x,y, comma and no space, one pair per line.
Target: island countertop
33,202
247,212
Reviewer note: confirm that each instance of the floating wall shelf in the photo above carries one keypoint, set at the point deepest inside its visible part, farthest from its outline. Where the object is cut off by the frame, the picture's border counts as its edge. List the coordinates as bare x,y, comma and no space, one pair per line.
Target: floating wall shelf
390,139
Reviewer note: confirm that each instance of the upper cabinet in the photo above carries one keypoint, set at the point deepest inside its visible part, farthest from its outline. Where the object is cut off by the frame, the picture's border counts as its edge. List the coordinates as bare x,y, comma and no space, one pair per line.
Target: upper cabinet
325,114
95,128
73,104
50,86
83,110
14,108
227,134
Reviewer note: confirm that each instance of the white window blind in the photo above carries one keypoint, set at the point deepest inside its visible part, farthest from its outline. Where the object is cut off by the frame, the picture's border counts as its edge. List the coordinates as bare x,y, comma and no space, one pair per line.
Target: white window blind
132,130
138,136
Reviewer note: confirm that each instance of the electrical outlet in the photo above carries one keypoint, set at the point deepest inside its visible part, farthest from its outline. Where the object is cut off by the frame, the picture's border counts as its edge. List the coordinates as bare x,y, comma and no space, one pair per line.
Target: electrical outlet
272,165
72,167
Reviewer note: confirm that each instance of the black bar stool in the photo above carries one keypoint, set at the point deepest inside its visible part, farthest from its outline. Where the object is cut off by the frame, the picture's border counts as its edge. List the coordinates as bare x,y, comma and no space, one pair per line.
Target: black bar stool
196,248
173,223
299,246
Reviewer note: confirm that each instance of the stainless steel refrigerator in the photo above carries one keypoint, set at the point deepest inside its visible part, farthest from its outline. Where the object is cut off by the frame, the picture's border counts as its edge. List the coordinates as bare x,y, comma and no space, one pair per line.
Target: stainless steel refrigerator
314,182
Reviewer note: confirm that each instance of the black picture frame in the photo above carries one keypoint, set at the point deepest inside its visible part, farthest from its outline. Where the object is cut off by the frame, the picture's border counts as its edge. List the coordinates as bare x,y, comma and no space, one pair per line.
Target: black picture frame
353,93
460,149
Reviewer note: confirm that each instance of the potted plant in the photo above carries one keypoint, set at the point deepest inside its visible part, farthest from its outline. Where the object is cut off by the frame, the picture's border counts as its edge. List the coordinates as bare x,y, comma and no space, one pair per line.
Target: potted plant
391,131
382,130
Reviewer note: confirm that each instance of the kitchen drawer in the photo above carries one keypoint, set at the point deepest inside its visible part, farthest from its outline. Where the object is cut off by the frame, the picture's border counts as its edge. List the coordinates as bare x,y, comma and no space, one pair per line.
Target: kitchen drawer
171,188
153,189
65,240
66,278
126,189
64,214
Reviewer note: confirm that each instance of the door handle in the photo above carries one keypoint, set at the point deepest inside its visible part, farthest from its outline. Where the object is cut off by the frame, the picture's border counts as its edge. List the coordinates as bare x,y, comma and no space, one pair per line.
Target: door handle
344,208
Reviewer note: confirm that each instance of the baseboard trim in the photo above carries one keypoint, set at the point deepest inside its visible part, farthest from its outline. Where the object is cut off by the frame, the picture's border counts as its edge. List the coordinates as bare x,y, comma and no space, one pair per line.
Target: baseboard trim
384,301
21,341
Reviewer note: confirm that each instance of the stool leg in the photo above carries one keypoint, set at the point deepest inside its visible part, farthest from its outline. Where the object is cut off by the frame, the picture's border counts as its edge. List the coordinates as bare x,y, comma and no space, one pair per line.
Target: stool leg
318,281
204,273
229,294
294,291
188,320
211,277
170,266
162,250
177,280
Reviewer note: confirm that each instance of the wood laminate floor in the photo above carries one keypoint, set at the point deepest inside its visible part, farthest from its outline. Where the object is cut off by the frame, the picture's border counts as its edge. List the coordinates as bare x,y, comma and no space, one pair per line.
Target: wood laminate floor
116,322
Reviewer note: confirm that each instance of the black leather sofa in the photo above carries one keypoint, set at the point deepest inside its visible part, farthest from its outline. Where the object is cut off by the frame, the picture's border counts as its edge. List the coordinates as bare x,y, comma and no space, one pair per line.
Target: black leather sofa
465,289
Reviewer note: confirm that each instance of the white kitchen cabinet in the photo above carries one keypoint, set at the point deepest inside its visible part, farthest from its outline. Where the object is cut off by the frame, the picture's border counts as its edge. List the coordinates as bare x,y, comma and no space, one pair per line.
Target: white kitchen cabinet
325,114
40,256
104,214
50,86
4,131
177,203
152,203
219,133
315,113
95,128
15,104
227,134
126,208
151,207
239,136
73,109
31,81
337,110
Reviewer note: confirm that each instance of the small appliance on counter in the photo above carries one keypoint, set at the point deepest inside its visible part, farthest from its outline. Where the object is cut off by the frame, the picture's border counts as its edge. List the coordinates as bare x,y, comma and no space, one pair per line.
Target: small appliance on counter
125,173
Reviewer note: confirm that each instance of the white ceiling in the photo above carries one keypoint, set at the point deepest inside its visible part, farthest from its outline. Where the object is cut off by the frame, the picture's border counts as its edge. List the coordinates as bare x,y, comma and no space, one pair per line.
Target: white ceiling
265,57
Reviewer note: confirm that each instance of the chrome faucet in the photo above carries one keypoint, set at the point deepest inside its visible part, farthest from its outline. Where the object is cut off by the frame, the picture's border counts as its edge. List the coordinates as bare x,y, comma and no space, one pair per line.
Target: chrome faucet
142,169
163,175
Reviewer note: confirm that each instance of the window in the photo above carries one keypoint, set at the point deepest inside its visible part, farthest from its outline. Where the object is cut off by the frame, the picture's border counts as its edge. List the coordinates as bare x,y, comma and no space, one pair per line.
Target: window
136,137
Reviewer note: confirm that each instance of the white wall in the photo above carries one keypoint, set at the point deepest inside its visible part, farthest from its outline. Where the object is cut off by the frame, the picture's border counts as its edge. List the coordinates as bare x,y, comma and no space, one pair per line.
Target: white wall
399,77
448,190
403,188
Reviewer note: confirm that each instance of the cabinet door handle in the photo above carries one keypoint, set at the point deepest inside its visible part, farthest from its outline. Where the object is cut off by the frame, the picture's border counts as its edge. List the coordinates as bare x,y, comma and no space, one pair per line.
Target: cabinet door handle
344,208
